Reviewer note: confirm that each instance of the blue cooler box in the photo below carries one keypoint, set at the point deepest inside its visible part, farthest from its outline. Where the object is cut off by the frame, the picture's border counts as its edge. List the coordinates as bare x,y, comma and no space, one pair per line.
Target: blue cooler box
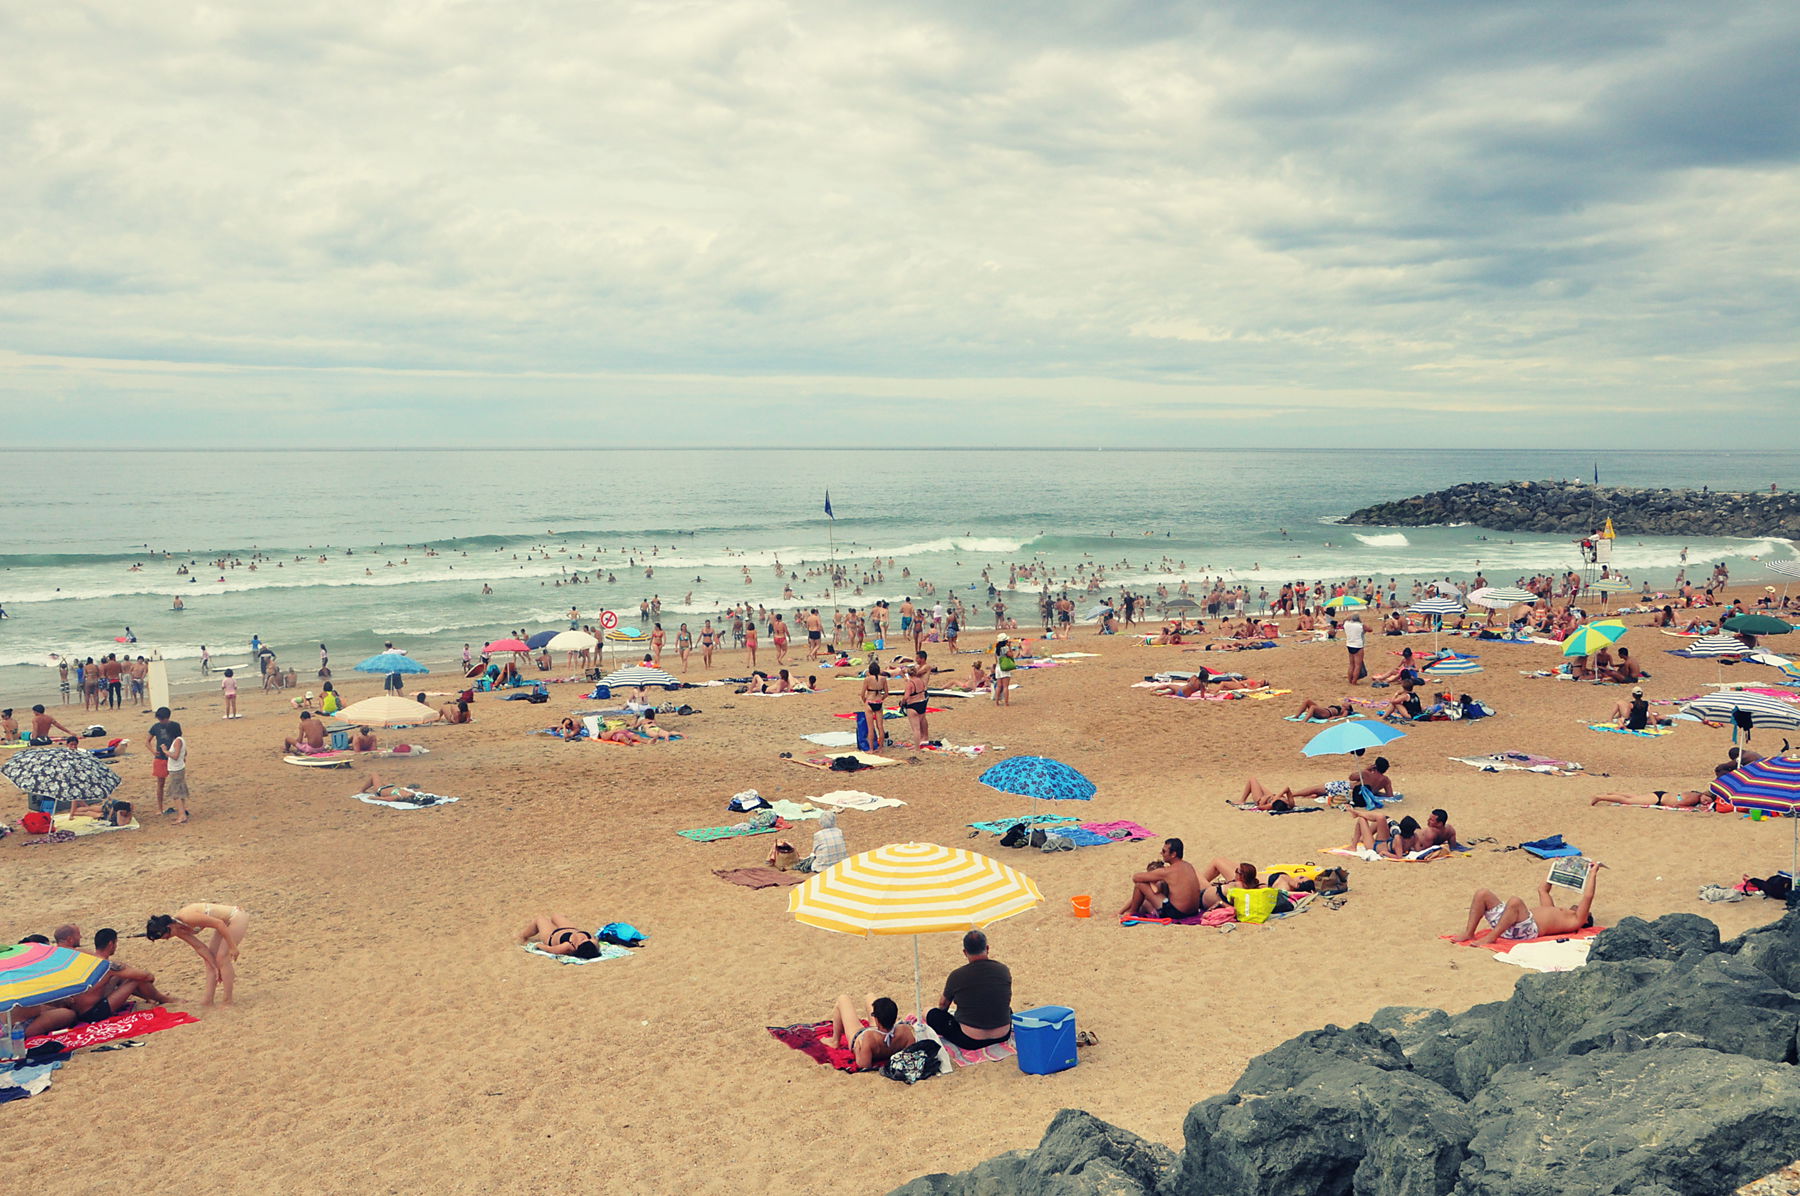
1046,1039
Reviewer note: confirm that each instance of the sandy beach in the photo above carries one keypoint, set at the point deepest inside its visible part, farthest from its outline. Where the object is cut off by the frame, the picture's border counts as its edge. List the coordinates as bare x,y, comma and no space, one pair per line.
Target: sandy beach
388,1034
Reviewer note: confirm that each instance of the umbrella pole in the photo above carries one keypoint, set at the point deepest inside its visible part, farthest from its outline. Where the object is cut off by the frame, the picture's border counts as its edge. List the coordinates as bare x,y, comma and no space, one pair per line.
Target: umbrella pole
918,989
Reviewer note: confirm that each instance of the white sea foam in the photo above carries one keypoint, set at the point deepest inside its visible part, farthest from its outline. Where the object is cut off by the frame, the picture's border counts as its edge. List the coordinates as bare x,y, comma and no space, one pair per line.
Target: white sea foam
1384,540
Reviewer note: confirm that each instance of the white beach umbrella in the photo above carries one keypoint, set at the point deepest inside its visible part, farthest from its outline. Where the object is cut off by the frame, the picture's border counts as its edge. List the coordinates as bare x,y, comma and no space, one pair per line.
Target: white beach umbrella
1762,711
1501,597
571,641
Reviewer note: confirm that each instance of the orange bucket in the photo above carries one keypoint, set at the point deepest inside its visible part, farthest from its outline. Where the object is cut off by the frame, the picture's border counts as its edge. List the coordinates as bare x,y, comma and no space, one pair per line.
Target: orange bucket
1083,905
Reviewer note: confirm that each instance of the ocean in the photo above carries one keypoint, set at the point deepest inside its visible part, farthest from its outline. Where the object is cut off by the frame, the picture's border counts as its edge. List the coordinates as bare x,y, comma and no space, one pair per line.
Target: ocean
410,539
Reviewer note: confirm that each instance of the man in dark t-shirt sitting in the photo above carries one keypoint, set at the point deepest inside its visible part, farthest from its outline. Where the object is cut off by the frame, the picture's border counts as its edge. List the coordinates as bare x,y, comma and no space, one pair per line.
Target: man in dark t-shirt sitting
981,991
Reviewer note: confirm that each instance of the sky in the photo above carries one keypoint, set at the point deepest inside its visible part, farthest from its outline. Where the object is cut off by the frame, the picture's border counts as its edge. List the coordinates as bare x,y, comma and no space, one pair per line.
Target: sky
755,223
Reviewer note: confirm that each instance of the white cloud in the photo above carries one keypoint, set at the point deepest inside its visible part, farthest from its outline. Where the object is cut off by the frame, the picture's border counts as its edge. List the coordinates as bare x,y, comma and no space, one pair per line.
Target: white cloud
1110,222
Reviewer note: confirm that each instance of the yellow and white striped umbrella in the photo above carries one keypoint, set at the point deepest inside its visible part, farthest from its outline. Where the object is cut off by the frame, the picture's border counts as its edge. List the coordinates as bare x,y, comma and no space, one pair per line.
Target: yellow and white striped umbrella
912,888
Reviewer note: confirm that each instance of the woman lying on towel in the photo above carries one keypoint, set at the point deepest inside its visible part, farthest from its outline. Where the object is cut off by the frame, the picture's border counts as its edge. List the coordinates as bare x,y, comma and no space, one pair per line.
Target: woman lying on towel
1390,840
1687,800
872,1035
569,729
559,934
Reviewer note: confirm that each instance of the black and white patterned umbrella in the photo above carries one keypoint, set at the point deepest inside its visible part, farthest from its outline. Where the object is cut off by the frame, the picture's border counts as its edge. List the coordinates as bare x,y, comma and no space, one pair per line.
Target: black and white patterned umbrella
64,774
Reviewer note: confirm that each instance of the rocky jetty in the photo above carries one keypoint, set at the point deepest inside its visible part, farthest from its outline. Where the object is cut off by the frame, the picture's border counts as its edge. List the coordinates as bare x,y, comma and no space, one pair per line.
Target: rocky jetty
1664,1067
1578,509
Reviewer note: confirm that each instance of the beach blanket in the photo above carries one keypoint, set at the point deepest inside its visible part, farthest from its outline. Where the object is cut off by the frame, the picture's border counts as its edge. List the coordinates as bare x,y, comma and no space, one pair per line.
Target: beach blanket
854,799
1074,655
1646,733
809,1039
1520,762
712,834
1557,955
79,825
1503,946
1550,848
832,739
1412,857
428,800
122,1025
1132,831
400,750
330,760
793,811
759,878
824,762
1294,718
25,1080
946,748
607,951
1079,835
987,1054
999,826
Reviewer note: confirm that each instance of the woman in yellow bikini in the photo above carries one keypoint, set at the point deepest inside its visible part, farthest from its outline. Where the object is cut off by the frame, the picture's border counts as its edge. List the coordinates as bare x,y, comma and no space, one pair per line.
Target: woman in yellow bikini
228,924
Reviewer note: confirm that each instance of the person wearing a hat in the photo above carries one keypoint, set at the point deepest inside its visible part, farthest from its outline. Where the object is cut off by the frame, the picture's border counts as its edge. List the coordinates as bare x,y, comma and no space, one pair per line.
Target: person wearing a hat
1633,714
1004,664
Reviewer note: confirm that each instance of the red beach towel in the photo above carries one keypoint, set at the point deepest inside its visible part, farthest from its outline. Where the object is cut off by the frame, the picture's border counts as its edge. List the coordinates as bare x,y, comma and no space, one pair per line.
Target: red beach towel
123,1025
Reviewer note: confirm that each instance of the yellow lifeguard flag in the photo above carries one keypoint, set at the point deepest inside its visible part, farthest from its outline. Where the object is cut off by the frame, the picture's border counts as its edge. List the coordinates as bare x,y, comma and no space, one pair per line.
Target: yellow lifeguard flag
1608,533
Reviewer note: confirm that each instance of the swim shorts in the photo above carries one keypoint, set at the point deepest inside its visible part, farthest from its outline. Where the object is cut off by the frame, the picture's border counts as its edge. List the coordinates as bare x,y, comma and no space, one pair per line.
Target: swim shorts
1169,911
1525,928
1337,788
813,635
906,622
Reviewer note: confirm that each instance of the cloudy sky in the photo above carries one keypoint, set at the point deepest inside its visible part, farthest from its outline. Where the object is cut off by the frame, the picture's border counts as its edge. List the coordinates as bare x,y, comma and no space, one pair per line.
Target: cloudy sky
755,222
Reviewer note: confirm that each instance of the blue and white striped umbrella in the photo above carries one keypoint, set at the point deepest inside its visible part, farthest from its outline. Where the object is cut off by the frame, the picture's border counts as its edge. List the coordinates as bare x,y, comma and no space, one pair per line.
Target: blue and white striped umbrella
1763,710
1453,666
638,674
1501,597
1717,645
1436,606
1610,585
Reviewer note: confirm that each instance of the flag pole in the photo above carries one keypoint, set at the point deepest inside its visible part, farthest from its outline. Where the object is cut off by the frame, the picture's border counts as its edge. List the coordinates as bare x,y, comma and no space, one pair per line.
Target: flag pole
831,528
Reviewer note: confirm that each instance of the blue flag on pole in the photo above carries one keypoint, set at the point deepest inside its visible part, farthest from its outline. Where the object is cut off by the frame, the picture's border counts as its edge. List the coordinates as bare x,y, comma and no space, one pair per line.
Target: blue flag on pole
1596,473
828,505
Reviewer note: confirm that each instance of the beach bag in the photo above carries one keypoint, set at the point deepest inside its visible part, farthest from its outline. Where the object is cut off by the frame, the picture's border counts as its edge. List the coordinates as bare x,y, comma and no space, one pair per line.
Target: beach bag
1008,664
847,764
36,823
1015,835
748,800
622,934
917,1062
865,738
1254,905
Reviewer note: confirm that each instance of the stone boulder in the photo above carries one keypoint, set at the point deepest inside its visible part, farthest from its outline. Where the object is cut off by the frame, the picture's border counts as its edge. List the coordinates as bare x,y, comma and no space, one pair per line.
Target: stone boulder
1545,1011
1430,1038
1687,1121
1669,936
1080,1155
1719,1000
1773,950
1295,1060
1343,1129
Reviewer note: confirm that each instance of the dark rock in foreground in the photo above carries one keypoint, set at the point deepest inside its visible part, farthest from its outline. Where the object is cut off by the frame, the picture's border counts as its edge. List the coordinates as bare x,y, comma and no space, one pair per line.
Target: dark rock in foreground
1665,1067
1578,509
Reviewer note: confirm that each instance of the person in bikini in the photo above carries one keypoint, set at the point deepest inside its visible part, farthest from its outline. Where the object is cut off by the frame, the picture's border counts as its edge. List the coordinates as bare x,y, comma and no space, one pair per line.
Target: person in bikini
874,696
1512,919
1375,776
1322,710
871,1036
1687,800
559,934
1171,891
229,924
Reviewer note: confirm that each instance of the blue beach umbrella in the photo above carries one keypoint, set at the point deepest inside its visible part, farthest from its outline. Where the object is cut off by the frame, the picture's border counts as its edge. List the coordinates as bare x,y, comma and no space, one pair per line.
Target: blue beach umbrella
1453,666
1038,777
391,662
540,639
1359,734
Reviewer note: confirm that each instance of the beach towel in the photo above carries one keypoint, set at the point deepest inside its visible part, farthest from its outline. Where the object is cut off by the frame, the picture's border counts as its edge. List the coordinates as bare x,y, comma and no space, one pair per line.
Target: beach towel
854,799
1550,848
1503,946
1080,836
1122,831
987,1054
81,825
1555,955
428,800
759,878
25,1080
1412,857
343,761
122,1025
712,834
824,762
999,826
1646,733
400,750
1219,915
607,951
1294,718
1520,762
793,811
809,1039
832,739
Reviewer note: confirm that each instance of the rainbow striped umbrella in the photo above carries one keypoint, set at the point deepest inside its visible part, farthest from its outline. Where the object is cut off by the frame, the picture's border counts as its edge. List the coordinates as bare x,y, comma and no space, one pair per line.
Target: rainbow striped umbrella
912,888
1590,639
37,973
1767,786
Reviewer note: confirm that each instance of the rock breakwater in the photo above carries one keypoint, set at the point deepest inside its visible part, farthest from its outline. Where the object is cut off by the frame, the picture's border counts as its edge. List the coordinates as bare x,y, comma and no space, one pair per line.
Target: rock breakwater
1664,1066
1578,509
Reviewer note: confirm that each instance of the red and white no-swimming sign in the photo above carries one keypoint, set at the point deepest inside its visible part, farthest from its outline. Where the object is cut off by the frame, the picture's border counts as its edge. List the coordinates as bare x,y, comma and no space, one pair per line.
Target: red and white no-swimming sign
609,620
